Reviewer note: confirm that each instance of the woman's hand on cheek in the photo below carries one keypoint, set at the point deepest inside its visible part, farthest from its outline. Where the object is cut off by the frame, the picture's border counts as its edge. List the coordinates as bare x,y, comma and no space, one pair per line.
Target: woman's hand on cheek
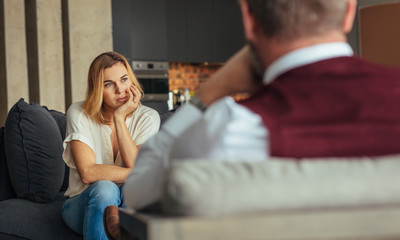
136,94
131,104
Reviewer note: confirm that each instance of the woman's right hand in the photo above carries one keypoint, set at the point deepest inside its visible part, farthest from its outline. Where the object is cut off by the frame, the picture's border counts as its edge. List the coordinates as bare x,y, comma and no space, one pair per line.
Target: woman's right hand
131,104
127,147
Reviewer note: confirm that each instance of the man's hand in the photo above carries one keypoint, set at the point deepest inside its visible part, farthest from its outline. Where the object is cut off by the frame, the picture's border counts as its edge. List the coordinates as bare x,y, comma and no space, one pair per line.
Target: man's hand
238,75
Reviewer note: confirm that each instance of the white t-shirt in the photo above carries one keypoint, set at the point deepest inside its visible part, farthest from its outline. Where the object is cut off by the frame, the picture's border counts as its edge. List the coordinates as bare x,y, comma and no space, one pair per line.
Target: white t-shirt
144,123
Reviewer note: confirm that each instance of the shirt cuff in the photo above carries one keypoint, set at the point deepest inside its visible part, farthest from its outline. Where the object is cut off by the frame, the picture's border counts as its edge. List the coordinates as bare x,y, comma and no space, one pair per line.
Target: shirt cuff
183,119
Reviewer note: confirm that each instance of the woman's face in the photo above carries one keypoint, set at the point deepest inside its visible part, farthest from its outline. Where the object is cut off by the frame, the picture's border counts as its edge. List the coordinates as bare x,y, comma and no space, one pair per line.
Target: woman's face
116,84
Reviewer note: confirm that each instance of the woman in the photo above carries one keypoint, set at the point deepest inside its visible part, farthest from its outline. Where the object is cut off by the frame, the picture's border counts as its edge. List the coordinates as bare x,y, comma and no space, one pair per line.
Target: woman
103,136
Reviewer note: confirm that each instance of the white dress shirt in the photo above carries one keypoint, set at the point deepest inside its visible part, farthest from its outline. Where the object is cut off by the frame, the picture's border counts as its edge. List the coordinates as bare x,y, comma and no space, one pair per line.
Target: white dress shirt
227,131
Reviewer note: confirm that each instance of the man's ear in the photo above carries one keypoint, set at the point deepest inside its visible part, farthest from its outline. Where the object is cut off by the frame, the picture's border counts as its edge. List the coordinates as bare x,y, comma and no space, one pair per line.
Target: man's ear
249,23
350,15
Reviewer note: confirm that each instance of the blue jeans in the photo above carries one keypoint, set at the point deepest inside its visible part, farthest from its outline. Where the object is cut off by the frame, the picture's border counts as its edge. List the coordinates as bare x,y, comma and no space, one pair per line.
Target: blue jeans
84,213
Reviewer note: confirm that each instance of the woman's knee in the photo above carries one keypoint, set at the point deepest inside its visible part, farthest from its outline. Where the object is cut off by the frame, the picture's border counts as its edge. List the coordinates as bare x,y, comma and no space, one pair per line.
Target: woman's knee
105,192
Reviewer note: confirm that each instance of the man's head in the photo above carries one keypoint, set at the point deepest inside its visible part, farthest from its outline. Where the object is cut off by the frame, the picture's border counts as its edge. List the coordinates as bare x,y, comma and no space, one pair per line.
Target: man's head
278,26
287,19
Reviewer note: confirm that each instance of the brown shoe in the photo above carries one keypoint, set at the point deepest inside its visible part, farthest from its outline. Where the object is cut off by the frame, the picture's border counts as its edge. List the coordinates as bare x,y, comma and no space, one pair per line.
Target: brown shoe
111,222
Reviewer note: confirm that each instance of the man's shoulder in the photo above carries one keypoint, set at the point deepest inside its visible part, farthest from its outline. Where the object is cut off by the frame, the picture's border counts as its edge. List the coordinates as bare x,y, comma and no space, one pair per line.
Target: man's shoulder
357,68
358,64
351,68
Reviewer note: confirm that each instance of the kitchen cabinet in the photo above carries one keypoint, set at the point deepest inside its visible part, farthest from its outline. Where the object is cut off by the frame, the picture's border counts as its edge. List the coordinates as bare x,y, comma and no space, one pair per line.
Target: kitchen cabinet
199,31
207,31
177,30
121,36
139,29
229,29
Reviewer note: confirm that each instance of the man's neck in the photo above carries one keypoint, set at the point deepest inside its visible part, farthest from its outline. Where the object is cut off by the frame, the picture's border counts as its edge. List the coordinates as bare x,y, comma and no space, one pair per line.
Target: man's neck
274,48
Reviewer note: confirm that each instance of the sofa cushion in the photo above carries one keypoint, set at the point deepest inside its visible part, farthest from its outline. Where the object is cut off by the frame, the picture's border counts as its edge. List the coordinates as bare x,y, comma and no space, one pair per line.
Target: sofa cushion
218,188
29,220
34,152
6,189
61,121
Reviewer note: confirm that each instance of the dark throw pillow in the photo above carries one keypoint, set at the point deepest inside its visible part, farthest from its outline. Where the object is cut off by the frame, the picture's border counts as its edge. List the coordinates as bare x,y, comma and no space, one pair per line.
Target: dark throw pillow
34,149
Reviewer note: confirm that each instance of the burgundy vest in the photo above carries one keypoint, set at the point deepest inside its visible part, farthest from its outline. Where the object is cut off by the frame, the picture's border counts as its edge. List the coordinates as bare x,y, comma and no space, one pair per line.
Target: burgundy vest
338,107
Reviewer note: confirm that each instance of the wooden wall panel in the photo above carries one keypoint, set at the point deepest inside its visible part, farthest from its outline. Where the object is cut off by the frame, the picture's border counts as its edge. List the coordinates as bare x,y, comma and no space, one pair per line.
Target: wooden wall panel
13,64
89,34
46,47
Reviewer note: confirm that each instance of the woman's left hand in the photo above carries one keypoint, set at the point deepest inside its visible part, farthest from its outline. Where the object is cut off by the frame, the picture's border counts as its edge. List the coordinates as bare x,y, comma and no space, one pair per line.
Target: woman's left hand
131,104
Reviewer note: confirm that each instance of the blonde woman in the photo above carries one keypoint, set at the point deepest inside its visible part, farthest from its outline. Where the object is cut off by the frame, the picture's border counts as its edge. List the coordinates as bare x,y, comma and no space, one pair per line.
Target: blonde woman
103,136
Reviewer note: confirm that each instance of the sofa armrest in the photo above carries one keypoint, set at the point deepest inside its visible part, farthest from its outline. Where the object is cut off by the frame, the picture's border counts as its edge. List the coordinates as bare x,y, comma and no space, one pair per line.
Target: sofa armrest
222,188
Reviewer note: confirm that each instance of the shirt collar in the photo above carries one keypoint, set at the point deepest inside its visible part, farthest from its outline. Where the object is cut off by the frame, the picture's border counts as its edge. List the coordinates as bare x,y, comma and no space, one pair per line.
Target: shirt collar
306,56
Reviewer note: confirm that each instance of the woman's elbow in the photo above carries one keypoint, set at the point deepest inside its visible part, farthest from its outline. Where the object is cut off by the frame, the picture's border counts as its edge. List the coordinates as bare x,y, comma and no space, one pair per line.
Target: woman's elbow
86,180
86,176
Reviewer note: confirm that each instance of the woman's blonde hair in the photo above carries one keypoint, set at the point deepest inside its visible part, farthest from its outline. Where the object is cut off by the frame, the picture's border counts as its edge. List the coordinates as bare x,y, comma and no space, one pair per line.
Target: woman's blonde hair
94,94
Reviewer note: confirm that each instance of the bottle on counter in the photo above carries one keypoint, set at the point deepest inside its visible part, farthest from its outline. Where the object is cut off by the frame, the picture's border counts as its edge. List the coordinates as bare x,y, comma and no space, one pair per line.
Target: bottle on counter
187,95
177,98
180,97
170,101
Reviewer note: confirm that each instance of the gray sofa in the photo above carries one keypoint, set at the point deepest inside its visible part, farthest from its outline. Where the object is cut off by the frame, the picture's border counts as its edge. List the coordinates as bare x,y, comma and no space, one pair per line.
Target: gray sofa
31,196
33,176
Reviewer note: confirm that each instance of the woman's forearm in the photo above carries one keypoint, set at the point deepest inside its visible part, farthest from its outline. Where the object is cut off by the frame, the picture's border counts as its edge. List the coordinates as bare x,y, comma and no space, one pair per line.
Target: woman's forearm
127,148
90,171
97,172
